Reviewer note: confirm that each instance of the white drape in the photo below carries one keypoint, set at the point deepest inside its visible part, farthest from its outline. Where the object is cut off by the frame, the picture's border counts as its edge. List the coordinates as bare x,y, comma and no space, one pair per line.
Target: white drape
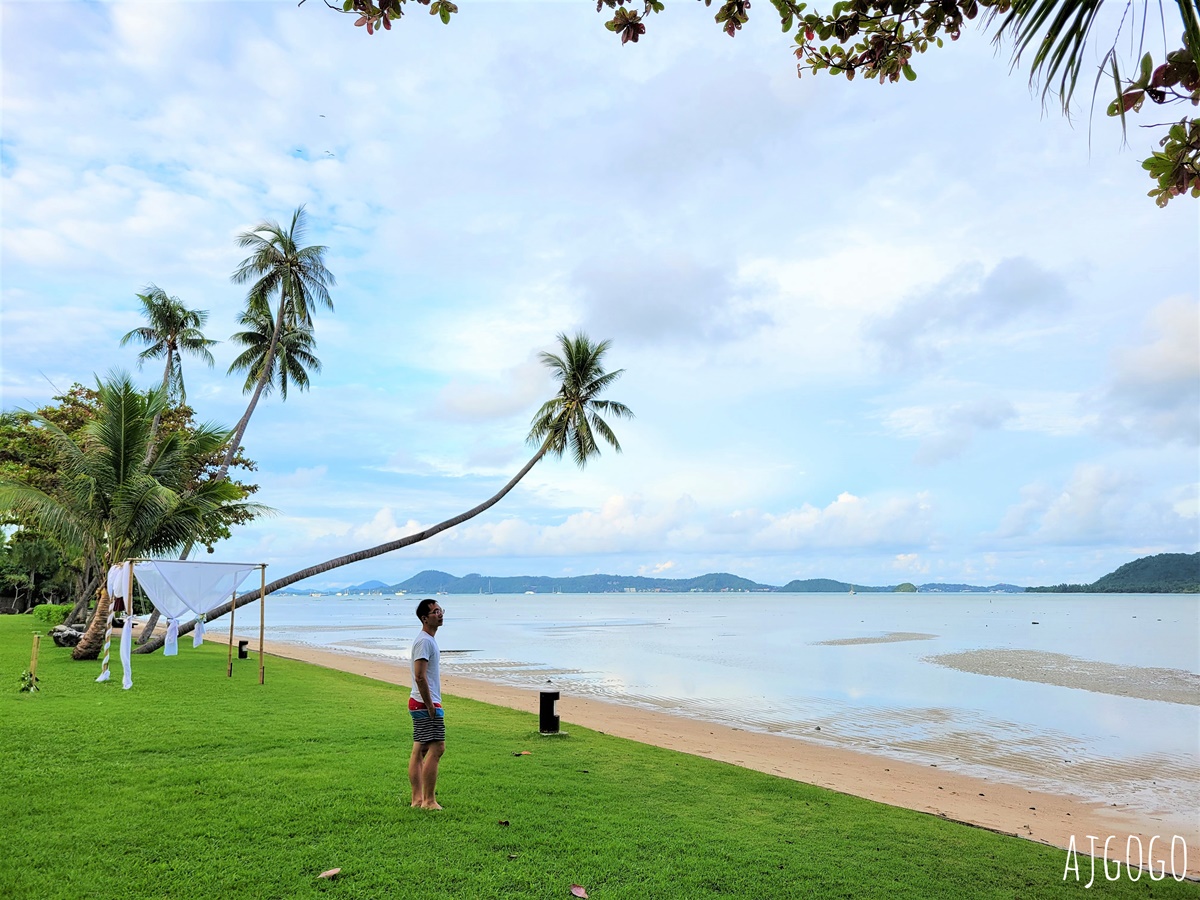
116,581
179,588
199,586
126,650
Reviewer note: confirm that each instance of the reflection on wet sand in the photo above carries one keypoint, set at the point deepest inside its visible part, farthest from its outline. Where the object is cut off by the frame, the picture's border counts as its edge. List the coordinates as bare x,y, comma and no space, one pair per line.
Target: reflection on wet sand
1061,670
892,637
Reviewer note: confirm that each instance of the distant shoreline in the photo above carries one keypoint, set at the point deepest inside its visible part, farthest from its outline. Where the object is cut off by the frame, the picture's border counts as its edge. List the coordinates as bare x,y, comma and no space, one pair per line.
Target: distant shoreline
347,592
1164,573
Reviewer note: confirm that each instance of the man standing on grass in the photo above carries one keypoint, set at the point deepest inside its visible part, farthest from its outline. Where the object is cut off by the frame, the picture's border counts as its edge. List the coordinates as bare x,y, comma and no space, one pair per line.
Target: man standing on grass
425,705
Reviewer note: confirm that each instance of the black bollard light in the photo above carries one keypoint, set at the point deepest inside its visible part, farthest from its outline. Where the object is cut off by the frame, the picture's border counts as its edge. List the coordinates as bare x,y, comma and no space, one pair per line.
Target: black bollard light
547,720
243,653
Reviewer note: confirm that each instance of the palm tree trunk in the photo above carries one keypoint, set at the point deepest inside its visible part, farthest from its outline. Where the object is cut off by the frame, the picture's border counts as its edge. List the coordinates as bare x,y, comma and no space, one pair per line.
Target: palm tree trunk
236,440
92,642
84,601
340,561
148,628
158,415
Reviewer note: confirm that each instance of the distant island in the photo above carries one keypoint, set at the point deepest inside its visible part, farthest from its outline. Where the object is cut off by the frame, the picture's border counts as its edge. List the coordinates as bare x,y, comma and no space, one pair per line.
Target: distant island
434,582
1166,573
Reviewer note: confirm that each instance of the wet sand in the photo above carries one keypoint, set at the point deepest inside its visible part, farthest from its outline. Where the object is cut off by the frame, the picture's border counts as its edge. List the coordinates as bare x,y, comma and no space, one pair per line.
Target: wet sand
1144,683
1007,808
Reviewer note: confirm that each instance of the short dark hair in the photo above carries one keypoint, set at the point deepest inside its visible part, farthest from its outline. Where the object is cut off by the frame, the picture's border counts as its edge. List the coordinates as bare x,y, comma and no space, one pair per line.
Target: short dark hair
423,607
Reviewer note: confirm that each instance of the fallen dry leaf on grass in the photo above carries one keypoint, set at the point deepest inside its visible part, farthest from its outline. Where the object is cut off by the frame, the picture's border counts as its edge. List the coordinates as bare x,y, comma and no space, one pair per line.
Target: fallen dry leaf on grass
578,891
523,753
330,874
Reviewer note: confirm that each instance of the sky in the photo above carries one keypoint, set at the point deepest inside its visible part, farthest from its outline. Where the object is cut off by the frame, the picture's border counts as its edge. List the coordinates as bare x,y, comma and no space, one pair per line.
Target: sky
929,331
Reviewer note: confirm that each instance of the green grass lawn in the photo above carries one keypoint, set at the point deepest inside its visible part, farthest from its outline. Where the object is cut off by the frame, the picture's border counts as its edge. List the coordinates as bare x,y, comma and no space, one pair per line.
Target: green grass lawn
196,785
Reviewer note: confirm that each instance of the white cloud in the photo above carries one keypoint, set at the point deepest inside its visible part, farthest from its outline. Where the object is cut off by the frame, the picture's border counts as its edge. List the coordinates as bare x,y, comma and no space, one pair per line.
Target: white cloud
518,390
1155,391
969,306
666,297
1100,505
946,432
911,563
850,521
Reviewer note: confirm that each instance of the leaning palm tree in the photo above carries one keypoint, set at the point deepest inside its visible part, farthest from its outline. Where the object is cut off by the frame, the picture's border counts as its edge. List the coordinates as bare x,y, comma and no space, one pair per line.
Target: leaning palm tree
173,330
570,421
292,358
123,491
294,278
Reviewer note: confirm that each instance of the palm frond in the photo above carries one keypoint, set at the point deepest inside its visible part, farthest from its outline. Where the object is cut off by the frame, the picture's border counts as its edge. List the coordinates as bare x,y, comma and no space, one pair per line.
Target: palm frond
571,419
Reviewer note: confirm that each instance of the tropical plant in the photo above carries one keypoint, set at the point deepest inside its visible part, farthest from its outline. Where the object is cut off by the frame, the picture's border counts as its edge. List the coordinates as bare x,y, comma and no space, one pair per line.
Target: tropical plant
173,330
295,276
30,455
292,358
879,38
123,490
570,421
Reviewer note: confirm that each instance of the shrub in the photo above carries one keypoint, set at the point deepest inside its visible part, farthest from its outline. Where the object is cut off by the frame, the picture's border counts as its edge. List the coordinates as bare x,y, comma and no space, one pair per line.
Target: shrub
51,613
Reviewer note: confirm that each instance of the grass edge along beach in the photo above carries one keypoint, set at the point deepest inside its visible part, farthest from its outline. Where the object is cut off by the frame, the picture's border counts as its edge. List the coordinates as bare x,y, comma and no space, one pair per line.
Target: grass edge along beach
197,785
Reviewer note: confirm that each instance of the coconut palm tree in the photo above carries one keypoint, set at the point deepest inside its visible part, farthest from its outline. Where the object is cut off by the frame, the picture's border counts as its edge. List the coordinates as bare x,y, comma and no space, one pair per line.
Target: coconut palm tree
293,356
570,421
295,277
124,492
173,330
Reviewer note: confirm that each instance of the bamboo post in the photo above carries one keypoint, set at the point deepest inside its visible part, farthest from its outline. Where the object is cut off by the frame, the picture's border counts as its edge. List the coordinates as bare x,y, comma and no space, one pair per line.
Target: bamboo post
128,588
33,657
262,621
232,609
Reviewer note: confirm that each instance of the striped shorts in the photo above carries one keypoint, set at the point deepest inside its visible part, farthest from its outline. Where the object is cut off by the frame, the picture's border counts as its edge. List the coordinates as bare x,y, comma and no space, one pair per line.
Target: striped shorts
427,729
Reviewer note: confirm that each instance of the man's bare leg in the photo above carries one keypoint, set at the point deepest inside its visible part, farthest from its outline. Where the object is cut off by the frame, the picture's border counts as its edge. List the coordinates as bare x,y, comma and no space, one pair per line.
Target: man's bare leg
414,773
428,773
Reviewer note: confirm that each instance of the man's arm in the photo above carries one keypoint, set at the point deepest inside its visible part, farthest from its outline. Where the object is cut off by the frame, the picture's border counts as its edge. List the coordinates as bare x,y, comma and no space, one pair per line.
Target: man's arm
421,677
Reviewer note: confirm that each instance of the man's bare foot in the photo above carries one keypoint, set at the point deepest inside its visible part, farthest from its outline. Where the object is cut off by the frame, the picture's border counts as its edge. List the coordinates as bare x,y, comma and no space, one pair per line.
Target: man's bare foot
433,805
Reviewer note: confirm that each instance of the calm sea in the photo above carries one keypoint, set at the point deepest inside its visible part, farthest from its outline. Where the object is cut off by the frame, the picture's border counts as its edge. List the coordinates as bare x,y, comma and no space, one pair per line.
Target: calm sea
1073,712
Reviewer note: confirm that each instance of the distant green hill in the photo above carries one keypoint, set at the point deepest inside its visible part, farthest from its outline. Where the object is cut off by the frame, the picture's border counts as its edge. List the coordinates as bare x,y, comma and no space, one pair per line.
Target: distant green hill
828,586
431,581
1166,573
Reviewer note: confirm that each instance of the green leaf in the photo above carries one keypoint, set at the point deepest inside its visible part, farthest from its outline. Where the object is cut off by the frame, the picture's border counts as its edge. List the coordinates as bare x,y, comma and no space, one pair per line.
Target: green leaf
909,73
787,23
445,15
1147,70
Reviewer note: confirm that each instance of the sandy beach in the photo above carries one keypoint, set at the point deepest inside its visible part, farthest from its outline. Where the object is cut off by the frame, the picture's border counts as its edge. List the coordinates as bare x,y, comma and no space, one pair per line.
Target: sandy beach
1052,819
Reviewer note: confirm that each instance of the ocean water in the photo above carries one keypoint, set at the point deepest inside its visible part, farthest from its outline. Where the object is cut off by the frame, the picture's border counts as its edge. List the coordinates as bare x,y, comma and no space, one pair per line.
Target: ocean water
1094,695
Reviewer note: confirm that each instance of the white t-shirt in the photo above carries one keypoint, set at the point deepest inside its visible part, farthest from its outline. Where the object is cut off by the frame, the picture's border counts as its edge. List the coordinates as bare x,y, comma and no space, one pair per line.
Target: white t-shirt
425,647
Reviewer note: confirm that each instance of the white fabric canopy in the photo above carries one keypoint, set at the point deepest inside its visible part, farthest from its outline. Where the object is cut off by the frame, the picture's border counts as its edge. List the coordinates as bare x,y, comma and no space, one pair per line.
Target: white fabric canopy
177,587
200,586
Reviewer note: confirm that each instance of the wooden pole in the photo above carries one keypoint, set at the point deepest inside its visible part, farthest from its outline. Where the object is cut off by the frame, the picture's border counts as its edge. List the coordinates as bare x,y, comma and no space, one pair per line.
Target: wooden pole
128,587
37,641
262,621
232,609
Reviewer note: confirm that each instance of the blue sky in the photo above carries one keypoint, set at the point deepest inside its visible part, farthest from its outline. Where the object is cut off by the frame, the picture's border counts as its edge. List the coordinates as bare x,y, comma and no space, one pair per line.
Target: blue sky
924,331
